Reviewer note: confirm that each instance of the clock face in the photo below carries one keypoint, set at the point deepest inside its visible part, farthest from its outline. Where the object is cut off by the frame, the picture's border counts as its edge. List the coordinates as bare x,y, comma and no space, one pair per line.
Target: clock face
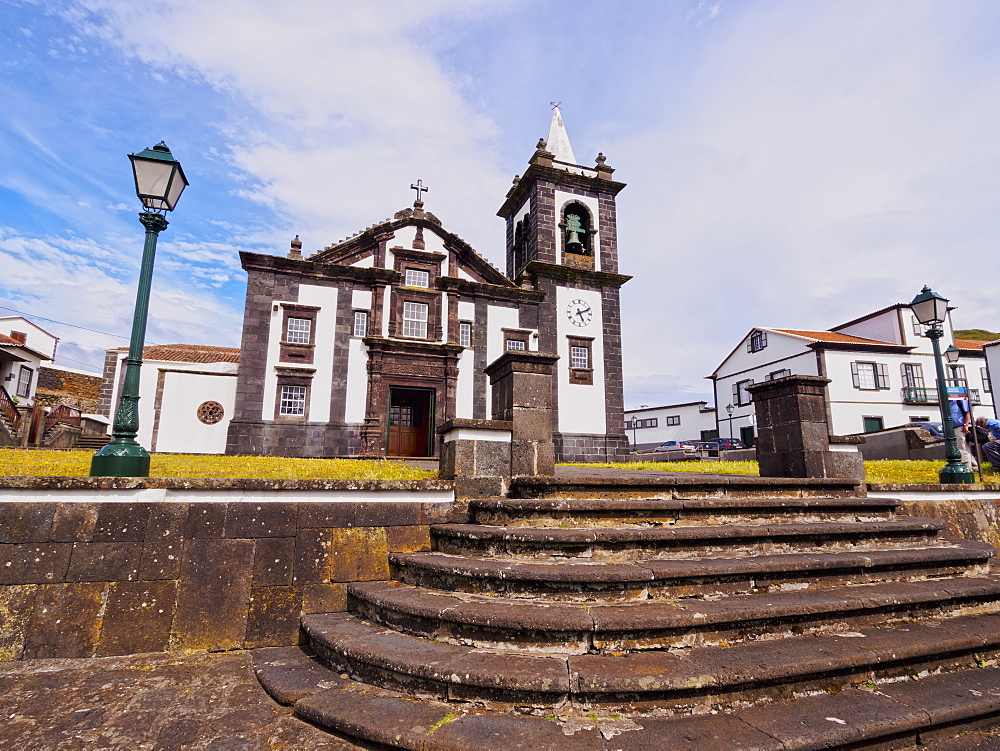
579,313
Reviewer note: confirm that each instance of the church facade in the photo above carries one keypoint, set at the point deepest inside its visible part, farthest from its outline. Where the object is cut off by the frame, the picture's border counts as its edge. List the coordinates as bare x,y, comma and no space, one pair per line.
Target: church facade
365,347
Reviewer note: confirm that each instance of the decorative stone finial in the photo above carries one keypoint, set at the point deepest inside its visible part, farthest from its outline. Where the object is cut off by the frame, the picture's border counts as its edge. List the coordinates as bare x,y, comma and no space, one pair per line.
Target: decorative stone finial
601,159
296,248
517,179
540,146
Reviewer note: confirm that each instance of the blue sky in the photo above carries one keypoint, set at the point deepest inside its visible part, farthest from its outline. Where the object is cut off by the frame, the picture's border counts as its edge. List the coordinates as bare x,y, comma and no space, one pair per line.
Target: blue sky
790,164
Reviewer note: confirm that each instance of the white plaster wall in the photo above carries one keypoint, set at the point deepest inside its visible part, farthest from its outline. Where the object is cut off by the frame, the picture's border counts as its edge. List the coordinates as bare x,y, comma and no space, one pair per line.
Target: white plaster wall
325,298
385,311
361,299
365,263
463,274
693,421
581,407
464,387
993,363
390,258
180,429
36,338
357,381
433,242
466,310
883,328
779,347
561,199
804,363
497,319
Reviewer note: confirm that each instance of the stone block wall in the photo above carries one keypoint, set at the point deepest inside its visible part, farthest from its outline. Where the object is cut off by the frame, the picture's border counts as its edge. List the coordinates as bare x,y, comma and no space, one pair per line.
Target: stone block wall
91,579
78,390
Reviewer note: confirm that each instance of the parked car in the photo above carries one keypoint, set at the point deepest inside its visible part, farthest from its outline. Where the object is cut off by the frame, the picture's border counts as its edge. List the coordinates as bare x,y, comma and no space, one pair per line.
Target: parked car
666,446
724,444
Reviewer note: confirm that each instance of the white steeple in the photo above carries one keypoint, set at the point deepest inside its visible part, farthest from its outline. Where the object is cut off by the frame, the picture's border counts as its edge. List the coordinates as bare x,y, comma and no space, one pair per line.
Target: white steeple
557,143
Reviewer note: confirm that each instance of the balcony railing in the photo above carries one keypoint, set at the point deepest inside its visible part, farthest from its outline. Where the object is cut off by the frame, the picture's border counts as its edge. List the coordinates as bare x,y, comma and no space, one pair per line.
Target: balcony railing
930,396
9,411
61,414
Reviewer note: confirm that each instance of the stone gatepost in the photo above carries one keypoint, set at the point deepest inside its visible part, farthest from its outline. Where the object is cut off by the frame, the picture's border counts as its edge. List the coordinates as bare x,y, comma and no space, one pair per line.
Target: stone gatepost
793,432
476,455
522,395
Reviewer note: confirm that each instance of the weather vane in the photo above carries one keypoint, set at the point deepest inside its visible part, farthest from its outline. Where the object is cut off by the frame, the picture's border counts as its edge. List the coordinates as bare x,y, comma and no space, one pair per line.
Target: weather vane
555,104
419,187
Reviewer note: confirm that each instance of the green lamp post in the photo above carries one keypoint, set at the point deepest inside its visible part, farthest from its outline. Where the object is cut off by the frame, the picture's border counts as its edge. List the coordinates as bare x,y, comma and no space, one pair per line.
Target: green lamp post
159,182
729,411
931,310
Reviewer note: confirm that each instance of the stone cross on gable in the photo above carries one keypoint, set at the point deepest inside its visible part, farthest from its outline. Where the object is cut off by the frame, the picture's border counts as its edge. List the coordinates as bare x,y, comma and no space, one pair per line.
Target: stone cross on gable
419,187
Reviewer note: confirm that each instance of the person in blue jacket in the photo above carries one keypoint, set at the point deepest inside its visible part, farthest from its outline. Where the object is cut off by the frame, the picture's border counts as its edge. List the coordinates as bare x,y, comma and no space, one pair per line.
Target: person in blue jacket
961,419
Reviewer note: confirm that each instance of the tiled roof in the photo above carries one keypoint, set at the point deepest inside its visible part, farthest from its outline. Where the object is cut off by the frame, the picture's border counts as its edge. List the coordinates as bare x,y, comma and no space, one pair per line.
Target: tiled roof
6,340
188,353
969,344
829,336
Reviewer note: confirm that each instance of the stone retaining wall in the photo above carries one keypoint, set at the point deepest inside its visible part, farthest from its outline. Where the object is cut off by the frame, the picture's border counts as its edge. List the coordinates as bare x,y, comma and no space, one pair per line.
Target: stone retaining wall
89,578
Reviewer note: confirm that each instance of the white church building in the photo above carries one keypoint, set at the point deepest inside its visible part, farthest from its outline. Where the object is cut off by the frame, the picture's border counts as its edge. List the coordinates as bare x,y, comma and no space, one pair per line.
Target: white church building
364,347
881,368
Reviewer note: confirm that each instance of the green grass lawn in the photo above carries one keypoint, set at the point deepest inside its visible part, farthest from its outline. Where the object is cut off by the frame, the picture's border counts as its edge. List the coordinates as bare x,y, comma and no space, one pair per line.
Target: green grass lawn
897,471
31,462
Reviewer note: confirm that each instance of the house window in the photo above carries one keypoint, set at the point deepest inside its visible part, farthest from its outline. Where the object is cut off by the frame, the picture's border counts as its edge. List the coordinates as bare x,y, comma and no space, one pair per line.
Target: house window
987,386
956,373
293,400
360,323
740,394
581,360
873,424
674,420
298,331
417,278
776,374
415,320
869,376
465,333
517,345
649,422
24,382
918,328
758,340
913,375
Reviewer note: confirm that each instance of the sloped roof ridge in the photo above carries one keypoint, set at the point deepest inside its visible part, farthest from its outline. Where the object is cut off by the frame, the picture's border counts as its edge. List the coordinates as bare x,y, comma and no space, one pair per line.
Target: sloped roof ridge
829,336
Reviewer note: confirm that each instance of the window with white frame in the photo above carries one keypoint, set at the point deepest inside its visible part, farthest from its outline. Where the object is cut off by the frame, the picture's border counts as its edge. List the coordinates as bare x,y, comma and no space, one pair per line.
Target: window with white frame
776,374
987,386
956,373
673,420
869,376
740,394
465,333
360,323
918,328
649,422
417,278
415,319
293,401
579,357
24,381
913,375
298,330
758,340
518,345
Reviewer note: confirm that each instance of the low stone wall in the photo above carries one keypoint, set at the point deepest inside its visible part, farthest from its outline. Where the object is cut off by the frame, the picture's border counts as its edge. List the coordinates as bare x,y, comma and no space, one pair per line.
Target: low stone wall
110,567
969,511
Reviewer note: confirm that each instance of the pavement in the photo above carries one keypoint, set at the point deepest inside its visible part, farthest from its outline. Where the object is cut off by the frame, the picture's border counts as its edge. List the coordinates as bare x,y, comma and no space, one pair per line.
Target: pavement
183,701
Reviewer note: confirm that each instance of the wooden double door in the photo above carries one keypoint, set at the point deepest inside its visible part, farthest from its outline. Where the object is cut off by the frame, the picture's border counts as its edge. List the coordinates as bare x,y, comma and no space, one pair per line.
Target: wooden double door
411,422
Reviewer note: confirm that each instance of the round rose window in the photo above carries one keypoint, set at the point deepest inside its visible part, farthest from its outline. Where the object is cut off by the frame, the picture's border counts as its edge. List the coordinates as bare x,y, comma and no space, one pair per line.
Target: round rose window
210,412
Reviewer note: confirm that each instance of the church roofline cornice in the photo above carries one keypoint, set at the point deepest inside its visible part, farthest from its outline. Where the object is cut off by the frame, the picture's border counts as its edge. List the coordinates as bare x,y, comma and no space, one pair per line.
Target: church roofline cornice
482,289
519,191
572,274
306,267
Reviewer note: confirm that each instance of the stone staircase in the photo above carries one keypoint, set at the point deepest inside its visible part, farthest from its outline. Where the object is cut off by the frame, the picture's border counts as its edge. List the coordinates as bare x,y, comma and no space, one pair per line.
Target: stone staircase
659,622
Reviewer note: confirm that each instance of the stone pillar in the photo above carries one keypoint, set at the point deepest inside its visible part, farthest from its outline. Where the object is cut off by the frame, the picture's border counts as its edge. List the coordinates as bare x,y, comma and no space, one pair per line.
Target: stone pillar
476,455
793,435
522,395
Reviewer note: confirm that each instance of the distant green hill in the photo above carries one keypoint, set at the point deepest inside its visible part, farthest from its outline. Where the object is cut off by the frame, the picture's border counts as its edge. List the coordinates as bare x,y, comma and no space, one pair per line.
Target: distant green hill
981,335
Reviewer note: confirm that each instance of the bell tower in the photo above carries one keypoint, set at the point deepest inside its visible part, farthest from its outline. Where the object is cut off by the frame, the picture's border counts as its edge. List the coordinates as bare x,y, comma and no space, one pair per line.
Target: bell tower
562,240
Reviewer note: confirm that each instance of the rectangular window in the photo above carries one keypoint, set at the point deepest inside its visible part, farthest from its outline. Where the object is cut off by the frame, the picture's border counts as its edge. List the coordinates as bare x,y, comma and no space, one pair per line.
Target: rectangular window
758,340
465,333
24,382
674,420
649,422
776,374
987,386
740,394
918,328
869,376
293,400
956,373
417,278
415,320
516,344
360,323
581,360
873,424
913,375
298,331
579,357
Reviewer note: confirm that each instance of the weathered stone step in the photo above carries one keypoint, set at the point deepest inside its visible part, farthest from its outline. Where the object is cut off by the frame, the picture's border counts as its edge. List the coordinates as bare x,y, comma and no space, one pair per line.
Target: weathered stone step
642,579
567,628
573,512
681,486
901,715
637,543
696,680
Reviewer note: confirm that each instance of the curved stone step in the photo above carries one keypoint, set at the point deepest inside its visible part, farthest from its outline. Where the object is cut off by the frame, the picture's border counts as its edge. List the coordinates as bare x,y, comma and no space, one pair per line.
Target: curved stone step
635,543
641,579
695,680
571,512
901,714
567,628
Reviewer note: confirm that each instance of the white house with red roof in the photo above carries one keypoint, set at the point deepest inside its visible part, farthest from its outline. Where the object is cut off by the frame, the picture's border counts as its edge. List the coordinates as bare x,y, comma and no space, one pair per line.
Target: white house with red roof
648,427
880,365
186,395
24,346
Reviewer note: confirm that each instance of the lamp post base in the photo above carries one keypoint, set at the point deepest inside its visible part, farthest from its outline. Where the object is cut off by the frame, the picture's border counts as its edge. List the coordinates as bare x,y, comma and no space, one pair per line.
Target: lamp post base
120,458
956,474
